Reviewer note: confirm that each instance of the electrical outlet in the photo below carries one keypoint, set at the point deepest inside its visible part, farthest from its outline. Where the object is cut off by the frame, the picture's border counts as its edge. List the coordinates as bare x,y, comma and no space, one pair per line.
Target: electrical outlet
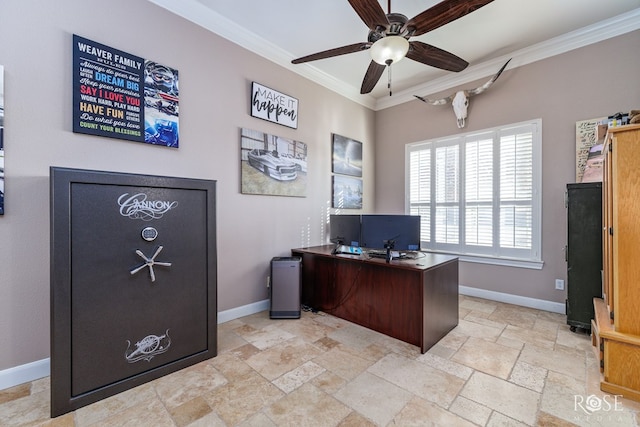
560,284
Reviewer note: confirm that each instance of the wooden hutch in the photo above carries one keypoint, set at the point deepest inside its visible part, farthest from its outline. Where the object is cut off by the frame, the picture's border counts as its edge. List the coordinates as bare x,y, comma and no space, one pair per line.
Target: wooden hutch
616,327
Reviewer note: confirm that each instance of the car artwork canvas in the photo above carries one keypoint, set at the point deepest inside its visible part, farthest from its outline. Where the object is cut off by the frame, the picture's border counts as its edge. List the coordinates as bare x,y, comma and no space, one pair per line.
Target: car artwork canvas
272,165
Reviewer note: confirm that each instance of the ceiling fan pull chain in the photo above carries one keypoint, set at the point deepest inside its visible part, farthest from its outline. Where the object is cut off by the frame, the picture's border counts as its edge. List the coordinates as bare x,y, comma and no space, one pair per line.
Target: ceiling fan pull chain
389,78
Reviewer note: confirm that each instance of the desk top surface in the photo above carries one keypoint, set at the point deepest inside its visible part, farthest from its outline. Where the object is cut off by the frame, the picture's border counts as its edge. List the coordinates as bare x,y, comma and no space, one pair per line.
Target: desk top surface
423,260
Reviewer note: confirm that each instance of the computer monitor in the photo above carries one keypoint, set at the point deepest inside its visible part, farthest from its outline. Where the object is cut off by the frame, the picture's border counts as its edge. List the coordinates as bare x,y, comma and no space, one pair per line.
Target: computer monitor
345,229
397,232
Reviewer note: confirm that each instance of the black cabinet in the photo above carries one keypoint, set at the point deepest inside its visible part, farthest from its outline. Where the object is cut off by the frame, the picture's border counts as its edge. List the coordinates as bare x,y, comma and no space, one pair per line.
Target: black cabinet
584,252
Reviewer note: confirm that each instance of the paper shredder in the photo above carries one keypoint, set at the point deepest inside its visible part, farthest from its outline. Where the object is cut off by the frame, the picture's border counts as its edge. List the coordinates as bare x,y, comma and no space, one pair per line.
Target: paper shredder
286,278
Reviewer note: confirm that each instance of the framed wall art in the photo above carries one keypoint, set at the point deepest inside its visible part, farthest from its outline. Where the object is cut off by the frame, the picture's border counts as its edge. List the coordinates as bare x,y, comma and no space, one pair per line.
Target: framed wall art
123,96
347,192
346,156
272,165
273,106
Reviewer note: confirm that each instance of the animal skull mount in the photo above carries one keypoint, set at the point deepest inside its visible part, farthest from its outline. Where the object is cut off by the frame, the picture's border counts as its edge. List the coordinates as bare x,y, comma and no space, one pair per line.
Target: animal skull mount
460,100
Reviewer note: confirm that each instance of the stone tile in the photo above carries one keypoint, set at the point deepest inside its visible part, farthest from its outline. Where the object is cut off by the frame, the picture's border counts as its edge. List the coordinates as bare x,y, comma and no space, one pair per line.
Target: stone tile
307,406
307,329
521,317
212,420
574,340
239,400
295,378
373,397
65,420
445,365
354,419
25,410
479,305
483,320
190,411
565,397
258,420
13,393
328,382
529,336
268,336
548,420
182,386
419,412
491,358
148,413
509,399
442,351
563,360
512,343
282,358
356,336
470,410
326,343
454,339
500,420
109,407
399,347
472,329
528,376
327,356
229,340
418,378
546,326
344,362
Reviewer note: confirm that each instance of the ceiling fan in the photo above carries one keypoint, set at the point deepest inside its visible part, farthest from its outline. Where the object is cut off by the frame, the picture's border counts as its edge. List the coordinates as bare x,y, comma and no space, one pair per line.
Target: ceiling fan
389,36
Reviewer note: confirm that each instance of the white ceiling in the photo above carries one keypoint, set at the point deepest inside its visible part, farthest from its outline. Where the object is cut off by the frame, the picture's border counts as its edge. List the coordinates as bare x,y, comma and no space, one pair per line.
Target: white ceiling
527,30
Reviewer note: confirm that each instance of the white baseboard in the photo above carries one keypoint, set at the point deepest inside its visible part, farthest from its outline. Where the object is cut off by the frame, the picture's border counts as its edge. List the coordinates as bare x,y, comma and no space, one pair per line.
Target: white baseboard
24,373
42,368
554,307
245,310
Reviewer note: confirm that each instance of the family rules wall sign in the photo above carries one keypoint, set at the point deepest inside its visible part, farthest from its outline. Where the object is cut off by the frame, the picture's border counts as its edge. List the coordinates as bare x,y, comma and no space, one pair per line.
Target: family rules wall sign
119,95
273,106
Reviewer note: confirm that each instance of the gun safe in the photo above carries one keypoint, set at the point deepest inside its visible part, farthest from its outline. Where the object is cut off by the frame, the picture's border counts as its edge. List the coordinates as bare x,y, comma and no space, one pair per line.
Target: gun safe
133,281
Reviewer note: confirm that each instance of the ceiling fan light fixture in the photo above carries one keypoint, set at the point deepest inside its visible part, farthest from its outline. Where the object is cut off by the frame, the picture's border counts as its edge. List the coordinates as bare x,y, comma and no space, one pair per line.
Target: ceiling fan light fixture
389,49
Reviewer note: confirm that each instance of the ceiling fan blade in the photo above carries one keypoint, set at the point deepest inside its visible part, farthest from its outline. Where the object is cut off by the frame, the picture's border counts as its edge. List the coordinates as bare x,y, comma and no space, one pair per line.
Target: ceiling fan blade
374,72
441,14
435,57
371,13
356,47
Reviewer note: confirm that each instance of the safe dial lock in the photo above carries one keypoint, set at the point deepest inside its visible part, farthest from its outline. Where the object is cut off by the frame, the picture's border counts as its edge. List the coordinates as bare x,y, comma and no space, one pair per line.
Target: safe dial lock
149,234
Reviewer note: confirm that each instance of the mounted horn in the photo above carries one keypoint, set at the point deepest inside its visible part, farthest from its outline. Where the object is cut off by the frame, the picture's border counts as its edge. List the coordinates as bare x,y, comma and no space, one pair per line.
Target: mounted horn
460,99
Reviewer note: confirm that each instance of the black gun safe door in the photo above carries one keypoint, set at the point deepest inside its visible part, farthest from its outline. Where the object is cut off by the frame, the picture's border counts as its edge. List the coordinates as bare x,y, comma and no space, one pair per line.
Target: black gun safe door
133,281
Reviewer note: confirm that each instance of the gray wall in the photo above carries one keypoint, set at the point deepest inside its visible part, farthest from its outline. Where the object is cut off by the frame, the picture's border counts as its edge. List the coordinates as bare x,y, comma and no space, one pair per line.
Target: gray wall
585,83
215,84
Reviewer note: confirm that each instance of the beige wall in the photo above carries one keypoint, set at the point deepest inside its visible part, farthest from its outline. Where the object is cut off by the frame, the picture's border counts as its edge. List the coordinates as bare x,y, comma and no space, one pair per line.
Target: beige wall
215,83
586,83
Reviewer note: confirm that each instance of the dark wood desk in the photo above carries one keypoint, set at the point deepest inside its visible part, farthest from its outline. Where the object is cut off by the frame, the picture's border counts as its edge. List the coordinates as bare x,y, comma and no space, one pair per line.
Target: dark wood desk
415,301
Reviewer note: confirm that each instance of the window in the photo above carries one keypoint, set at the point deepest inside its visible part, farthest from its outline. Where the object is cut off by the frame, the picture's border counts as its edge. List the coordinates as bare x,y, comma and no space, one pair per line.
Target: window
478,194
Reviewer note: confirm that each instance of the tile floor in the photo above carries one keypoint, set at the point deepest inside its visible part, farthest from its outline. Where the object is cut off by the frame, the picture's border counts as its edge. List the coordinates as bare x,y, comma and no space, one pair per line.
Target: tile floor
503,365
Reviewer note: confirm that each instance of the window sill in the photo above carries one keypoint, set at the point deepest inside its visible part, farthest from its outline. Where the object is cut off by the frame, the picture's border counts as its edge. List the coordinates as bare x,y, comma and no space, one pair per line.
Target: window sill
505,262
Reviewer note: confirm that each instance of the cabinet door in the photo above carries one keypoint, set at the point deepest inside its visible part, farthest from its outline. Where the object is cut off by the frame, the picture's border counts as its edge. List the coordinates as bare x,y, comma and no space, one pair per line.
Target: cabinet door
584,251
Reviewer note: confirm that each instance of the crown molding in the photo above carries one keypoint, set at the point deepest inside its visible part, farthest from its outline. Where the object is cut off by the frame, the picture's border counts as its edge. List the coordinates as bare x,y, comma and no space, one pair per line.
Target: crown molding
603,30
194,11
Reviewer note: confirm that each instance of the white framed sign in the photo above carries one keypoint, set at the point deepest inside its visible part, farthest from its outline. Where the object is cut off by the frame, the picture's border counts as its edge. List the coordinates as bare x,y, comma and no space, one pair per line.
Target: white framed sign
273,106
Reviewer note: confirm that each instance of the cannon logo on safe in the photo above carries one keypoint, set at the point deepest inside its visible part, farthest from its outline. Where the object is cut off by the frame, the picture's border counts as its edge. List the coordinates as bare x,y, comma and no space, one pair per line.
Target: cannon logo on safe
138,207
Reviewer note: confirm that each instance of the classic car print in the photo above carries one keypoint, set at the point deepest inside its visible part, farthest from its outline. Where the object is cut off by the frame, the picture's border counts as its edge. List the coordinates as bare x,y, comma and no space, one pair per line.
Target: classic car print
271,164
